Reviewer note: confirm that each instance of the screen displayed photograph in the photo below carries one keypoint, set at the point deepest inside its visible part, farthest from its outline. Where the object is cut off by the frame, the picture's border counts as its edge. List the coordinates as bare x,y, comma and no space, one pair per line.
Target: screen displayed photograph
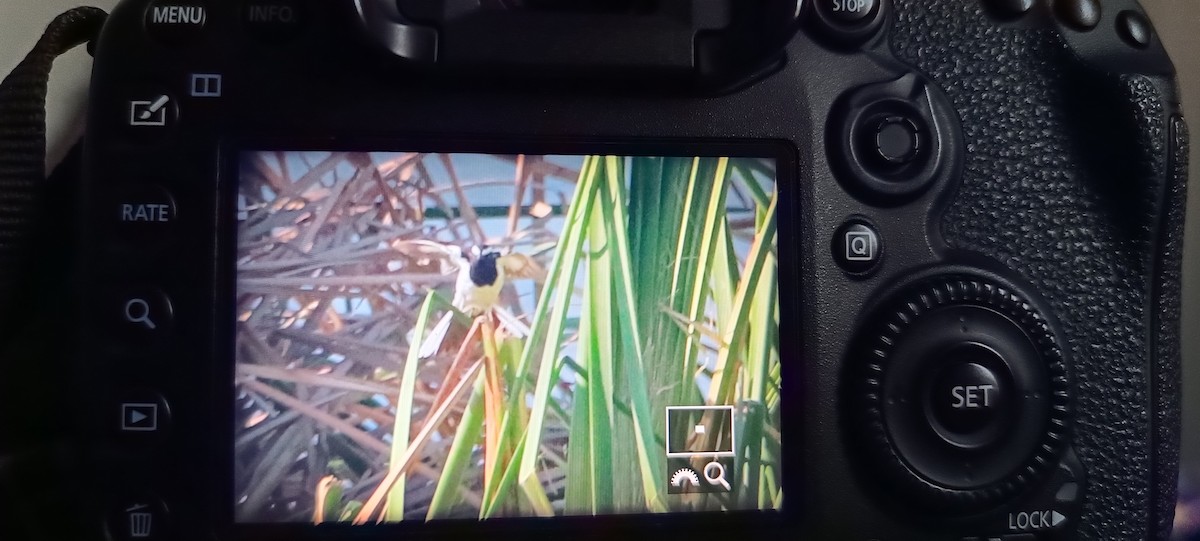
424,336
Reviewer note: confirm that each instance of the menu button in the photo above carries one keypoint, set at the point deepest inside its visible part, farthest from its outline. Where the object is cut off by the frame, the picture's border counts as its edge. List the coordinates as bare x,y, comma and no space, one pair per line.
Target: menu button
176,22
190,15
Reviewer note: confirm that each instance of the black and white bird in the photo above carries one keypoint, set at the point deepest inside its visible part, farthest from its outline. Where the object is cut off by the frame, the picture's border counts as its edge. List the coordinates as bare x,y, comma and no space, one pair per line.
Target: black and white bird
482,273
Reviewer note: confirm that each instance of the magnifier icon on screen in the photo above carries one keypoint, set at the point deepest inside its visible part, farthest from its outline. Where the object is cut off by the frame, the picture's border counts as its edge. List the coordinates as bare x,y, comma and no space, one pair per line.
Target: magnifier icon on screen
138,311
714,473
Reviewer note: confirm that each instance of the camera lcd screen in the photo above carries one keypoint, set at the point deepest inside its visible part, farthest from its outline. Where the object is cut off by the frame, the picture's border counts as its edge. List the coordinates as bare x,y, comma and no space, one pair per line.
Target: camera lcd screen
425,336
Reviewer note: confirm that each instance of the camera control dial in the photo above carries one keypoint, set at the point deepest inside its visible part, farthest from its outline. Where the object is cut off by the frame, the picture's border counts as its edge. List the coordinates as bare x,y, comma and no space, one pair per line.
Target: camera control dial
957,397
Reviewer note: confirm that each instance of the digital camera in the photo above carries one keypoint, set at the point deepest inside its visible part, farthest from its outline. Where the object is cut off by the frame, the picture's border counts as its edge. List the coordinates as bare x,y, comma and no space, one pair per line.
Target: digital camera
858,270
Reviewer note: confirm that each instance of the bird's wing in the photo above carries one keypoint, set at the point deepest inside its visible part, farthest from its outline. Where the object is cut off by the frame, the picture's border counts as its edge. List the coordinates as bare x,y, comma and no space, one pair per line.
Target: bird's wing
522,266
432,250
433,341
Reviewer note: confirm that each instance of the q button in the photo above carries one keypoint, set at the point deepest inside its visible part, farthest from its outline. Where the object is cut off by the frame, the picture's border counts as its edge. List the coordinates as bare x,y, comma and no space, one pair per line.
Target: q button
857,247
140,316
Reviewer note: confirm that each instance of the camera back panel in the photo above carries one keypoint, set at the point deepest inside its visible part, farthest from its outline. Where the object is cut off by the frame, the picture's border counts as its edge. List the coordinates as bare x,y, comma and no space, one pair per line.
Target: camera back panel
979,221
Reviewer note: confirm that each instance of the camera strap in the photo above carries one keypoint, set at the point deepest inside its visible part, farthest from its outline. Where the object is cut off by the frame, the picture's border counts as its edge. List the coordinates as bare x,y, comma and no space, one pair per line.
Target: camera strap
23,141
24,194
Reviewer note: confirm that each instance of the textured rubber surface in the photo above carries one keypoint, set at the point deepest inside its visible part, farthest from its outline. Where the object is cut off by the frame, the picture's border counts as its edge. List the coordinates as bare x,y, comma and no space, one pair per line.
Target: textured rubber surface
1167,380
1061,183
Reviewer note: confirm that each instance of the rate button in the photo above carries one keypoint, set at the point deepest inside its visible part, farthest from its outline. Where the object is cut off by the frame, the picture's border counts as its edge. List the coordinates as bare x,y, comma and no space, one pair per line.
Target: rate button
142,213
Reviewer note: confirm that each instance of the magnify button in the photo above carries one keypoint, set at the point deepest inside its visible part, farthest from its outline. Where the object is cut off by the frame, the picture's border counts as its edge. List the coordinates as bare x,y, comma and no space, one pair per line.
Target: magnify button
137,312
141,314
714,473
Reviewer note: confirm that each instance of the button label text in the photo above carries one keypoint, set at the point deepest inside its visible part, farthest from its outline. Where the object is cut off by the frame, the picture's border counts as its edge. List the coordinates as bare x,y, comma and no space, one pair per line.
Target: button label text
968,396
178,15
145,212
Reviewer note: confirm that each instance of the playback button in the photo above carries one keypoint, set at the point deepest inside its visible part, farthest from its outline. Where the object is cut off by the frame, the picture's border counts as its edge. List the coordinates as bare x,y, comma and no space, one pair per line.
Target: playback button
139,416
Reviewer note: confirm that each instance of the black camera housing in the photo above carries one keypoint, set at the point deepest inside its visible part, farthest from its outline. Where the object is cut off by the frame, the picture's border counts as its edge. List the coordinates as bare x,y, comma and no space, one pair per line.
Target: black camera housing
1018,165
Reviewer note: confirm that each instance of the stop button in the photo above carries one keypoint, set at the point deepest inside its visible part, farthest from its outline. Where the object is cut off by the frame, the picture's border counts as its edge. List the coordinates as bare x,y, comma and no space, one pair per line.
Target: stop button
848,12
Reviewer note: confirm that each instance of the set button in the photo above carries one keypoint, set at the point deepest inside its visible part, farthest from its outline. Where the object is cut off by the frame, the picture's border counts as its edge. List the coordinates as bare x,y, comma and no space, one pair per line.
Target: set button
967,397
969,401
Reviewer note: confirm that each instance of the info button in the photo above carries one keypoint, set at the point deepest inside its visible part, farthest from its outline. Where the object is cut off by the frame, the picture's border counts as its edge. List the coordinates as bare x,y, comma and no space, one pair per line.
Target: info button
142,212
274,21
